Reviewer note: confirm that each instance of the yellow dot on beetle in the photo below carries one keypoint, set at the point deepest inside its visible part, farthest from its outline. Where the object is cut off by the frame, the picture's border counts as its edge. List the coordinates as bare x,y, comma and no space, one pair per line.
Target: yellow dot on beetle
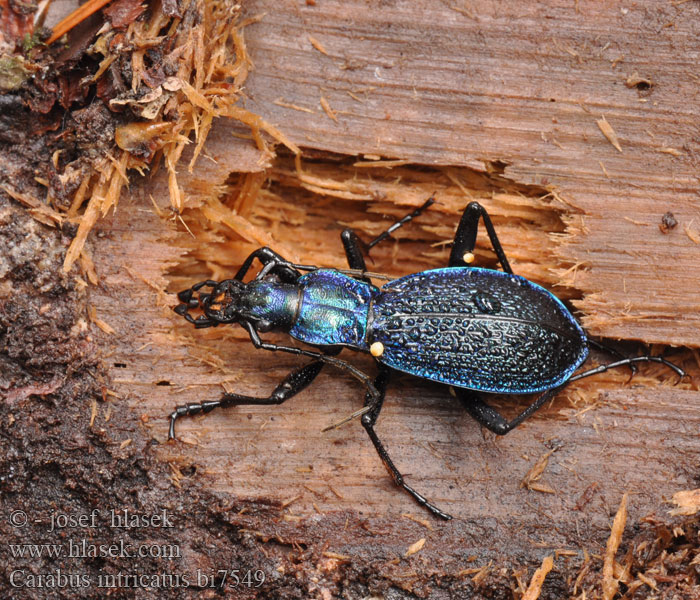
468,258
376,349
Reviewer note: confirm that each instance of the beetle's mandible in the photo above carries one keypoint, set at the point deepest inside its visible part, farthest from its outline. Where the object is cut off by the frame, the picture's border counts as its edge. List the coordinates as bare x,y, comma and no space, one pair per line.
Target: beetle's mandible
476,330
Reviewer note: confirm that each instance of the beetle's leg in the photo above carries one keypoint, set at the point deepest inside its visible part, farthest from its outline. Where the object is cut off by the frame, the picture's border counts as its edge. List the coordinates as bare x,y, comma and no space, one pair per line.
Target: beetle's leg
610,350
628,362
265,255
490,418
321,356
272,262
493,420
409,217
291,385
465,238
355,248
374,398
375,401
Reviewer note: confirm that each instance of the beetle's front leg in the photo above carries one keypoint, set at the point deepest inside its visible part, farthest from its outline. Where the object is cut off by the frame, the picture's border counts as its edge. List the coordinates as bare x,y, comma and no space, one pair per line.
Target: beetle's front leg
369,419
465,238
290,386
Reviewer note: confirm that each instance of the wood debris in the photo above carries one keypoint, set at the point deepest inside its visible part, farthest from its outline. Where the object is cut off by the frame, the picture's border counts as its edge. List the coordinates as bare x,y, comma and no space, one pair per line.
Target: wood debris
610,584
161,74
415,547
74,18
687,502
424,522
609,133
108,329
535,587
318,45
327,108
482,573
693,234
672,151
531,479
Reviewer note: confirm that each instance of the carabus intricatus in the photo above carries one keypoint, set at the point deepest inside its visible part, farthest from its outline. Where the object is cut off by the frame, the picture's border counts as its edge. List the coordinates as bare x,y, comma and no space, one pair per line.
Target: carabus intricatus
473,329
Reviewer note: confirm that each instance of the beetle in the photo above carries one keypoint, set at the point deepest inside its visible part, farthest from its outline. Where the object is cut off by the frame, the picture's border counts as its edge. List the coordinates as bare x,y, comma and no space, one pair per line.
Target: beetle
476,330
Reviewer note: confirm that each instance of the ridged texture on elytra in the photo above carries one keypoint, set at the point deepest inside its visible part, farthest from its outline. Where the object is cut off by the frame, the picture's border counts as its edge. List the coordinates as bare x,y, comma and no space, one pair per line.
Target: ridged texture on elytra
333,309
478,329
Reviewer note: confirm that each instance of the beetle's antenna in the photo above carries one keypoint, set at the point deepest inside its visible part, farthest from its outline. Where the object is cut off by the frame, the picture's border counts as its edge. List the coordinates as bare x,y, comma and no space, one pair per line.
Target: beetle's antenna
629,362
357,413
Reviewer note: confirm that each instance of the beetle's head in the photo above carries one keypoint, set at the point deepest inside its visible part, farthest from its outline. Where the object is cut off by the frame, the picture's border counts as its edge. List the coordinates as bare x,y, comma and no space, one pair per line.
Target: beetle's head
221,305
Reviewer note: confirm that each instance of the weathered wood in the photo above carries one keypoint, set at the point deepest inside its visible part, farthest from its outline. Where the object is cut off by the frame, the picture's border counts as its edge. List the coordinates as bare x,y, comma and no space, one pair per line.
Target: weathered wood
280,453
639,438
523,87
468,93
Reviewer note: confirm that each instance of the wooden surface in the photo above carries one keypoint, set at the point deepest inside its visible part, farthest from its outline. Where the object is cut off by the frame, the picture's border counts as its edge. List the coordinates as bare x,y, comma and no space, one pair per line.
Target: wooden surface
628,439
501,102
522,85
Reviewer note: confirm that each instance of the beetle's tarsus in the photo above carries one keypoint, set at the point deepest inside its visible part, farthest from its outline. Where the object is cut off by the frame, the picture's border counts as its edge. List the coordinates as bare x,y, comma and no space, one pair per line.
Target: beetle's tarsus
356,249
409,217
374,400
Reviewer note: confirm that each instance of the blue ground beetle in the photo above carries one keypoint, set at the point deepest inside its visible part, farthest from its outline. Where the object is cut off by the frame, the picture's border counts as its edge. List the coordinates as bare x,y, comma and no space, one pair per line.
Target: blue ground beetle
476,330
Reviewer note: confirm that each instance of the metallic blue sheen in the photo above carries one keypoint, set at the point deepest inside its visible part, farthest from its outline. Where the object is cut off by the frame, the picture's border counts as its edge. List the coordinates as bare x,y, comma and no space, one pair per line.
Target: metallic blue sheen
478,329
473,328
334,309
272,301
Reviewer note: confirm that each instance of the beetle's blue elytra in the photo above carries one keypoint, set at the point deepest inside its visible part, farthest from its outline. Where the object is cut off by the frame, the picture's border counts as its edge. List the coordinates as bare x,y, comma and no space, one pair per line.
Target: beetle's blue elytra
476,330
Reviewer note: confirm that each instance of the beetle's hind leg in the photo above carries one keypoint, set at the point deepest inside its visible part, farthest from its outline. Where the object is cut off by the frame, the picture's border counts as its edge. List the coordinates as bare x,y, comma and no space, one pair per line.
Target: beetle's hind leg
355,248
465,238
600,346
369,419
490,418
290,386
629,362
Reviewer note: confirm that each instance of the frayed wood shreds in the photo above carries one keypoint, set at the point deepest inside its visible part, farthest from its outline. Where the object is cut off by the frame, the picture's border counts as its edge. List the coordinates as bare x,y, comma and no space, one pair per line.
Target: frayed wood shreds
40,211
609,133
535,473
78,15
206,51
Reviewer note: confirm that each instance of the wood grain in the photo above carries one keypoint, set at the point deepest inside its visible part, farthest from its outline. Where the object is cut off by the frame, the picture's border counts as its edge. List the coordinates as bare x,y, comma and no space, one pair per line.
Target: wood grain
523,86
494,101
639,437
